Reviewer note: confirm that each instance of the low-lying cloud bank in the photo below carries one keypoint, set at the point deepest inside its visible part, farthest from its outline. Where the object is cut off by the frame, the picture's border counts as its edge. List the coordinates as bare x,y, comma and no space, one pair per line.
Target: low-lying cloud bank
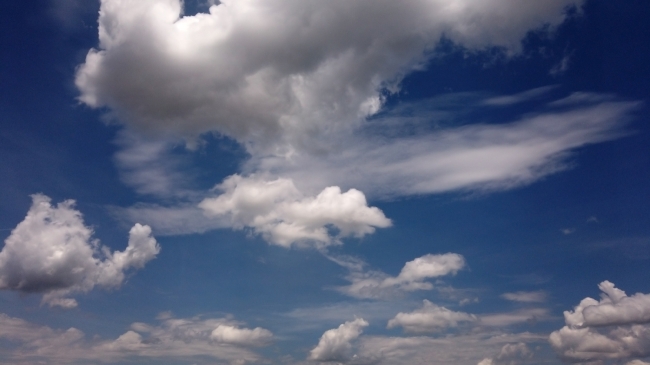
221,339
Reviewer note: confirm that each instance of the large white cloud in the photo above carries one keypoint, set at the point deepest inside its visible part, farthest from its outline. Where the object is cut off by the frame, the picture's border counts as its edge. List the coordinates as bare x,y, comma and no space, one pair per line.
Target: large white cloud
613,328
52,252
335,344
412,277
276,74
430,318
278,211
173,338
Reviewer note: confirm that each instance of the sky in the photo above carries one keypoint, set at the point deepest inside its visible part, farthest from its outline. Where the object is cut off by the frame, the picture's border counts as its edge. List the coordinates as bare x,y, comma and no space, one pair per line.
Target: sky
311,182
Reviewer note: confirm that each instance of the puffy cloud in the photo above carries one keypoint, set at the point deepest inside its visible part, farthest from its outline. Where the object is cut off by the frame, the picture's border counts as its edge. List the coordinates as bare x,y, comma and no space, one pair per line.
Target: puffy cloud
52,252
278,211
335,344
430,318
279,72
614,308
376,284
612,328
241,336
173,338
526,296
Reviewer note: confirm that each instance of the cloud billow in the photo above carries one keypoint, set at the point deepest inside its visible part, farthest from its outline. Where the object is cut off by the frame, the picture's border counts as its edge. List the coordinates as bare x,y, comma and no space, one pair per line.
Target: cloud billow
276,74
616,327
52,252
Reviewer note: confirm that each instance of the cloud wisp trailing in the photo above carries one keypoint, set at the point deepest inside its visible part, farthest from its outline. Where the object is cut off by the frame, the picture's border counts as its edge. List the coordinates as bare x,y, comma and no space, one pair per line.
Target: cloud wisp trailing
374,284
52,252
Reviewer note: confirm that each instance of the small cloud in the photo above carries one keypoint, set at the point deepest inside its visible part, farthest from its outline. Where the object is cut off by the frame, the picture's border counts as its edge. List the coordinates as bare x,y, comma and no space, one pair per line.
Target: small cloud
592,219
568,231
526,296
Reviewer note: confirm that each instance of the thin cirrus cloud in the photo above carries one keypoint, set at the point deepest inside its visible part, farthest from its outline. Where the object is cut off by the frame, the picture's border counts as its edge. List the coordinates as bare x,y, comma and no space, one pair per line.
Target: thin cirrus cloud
173,338
52,252
616,327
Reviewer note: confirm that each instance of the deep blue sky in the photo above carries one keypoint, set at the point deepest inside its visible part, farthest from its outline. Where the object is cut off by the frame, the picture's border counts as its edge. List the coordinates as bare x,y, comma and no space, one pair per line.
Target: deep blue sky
582,217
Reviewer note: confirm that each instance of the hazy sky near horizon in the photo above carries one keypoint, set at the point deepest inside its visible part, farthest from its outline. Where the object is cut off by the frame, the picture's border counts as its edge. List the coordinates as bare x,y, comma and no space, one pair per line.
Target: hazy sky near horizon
325,182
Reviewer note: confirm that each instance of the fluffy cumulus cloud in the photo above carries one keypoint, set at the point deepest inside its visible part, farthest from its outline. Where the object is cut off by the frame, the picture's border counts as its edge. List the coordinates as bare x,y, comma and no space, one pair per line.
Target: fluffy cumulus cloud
52,252
412,277
335,344
614,327
278,211
172,338
241,336
430,318
274,74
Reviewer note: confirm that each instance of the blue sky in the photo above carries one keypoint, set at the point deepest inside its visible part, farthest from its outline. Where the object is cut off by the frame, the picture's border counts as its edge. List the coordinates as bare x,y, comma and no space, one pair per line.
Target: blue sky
339,182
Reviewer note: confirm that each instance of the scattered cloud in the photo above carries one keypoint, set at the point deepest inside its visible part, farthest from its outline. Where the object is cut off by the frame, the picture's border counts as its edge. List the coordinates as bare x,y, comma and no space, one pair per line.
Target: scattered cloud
335,344
279,212
372,284
430,319
539,296
174,338
52,252
613,328
568,231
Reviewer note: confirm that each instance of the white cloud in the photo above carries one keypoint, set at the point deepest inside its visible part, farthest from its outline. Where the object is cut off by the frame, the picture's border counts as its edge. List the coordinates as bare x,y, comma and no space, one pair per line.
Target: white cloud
52,252
430,318
241,336
174,338
614,308
335,344
279,212
612,328
476,157
279,73
376,284
539,296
